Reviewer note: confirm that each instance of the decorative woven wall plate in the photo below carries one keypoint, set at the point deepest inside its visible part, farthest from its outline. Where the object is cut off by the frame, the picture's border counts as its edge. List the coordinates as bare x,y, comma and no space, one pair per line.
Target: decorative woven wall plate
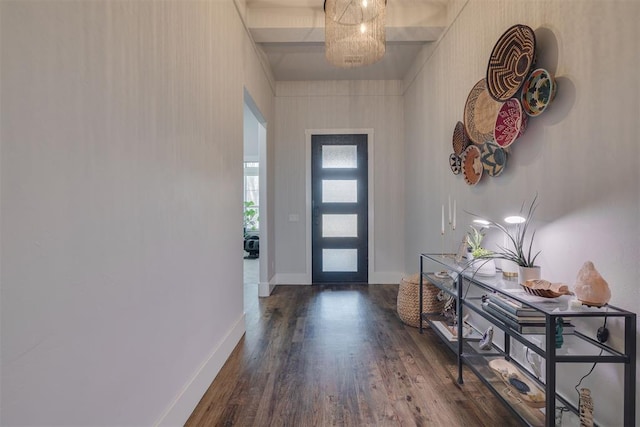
460,139
508,123
455,163
480,113
537,92
472,165
510,62
493,158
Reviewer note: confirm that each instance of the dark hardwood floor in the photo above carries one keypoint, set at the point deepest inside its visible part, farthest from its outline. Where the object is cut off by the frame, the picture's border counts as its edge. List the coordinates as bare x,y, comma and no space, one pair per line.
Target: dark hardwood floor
339,356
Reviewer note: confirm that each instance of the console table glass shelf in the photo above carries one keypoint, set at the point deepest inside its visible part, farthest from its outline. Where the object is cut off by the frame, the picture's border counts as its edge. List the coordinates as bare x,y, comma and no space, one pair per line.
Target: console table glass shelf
468,289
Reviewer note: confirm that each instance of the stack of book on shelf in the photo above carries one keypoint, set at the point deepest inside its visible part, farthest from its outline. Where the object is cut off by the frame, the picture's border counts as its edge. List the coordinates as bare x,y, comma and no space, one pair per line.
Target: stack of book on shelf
520,317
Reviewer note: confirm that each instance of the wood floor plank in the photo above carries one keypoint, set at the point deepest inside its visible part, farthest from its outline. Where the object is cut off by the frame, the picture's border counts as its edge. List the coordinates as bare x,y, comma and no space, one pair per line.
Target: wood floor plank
338,355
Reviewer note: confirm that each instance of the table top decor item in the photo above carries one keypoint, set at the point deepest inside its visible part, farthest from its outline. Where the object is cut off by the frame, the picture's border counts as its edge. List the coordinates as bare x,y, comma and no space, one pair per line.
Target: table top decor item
510,62
590,287
519,248
480,111
545,289
519,385
479,265
586,407
471,165
509,123
537,92
493,157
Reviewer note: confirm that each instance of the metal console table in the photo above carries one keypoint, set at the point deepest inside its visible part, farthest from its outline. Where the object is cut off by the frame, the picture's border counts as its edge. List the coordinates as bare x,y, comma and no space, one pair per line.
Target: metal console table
468,289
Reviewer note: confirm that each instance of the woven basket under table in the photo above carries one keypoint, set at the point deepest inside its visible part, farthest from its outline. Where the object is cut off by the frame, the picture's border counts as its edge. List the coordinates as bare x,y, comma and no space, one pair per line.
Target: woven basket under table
409,300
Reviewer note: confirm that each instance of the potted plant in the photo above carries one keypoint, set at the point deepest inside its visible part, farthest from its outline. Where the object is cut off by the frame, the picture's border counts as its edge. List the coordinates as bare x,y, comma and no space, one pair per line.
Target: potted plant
480,257
251,242
250,217
519,249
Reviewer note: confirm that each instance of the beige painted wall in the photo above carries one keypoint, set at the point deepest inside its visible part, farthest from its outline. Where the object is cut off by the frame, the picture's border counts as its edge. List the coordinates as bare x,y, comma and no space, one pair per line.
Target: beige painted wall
339,105
581,156
121,169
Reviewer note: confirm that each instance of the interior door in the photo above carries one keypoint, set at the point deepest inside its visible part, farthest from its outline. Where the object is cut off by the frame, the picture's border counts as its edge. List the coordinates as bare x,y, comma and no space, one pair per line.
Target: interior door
339,212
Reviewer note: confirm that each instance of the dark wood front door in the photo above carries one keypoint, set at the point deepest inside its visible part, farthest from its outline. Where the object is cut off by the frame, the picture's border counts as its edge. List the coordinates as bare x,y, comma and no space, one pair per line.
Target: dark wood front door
339,214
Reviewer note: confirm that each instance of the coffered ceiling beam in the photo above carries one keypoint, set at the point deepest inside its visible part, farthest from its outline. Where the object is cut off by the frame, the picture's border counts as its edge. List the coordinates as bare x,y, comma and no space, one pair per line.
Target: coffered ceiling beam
422,23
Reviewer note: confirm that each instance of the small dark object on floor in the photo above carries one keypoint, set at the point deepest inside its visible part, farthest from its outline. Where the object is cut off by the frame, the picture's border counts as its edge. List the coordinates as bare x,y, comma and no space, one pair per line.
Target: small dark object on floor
252,244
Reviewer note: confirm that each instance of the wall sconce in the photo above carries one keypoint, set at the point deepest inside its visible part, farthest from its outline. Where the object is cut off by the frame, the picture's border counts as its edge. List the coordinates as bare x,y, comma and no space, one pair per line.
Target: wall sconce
514,219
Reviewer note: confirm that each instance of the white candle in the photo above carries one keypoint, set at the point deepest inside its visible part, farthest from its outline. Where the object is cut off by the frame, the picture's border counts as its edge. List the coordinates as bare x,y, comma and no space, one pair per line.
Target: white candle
442,228
454,214
449,209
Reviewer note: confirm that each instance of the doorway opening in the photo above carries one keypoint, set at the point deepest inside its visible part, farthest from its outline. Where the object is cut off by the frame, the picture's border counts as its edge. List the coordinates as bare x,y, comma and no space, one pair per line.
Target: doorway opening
254,199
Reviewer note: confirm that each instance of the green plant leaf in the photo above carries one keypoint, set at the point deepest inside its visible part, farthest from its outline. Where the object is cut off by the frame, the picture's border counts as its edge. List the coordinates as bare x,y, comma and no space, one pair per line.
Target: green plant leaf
521,254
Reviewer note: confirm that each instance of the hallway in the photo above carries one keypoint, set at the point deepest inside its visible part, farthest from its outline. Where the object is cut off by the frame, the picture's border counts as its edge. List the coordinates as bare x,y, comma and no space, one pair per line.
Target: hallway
251,278
339,355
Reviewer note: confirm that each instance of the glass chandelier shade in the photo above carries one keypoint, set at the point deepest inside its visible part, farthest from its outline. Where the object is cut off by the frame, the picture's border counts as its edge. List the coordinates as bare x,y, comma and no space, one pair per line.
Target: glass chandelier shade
354,32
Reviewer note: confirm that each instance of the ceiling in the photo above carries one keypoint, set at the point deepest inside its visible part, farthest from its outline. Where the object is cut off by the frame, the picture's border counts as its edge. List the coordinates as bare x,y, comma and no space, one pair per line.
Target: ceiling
291,35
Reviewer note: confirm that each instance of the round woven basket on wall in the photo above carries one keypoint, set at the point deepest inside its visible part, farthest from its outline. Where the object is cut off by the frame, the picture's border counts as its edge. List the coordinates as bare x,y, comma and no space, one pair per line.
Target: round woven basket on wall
409,300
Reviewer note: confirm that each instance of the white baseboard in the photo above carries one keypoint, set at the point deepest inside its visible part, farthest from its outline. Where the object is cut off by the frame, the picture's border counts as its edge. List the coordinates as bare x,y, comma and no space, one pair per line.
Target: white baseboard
185,402
291,279
265,289
381,277
385,277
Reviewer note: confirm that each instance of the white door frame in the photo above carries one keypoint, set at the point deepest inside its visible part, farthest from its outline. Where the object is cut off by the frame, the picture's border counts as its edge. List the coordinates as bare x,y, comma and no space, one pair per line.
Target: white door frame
264,287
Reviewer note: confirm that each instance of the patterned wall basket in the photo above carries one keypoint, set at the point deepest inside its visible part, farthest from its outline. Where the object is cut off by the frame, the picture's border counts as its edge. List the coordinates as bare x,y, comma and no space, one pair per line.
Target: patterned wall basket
509,123
523,125
455,164
480,113
538,91
493,158
472,165
460,139
510,62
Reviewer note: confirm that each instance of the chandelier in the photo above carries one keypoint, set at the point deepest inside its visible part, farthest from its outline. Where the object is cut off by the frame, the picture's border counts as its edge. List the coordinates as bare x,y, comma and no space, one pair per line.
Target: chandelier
354,32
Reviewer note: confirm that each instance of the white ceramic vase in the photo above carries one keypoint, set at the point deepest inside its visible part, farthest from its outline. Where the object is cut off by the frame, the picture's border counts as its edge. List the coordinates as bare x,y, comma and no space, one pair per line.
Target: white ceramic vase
484,267
528,273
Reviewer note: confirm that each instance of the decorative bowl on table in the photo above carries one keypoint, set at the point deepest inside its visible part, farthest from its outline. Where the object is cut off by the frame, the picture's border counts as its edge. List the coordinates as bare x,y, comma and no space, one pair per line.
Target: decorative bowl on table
516,381
545,289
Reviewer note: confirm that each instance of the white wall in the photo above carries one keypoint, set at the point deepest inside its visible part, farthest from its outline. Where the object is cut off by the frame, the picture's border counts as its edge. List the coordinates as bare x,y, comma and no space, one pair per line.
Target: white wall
250,136
121,172
339,105
260,85
581,156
